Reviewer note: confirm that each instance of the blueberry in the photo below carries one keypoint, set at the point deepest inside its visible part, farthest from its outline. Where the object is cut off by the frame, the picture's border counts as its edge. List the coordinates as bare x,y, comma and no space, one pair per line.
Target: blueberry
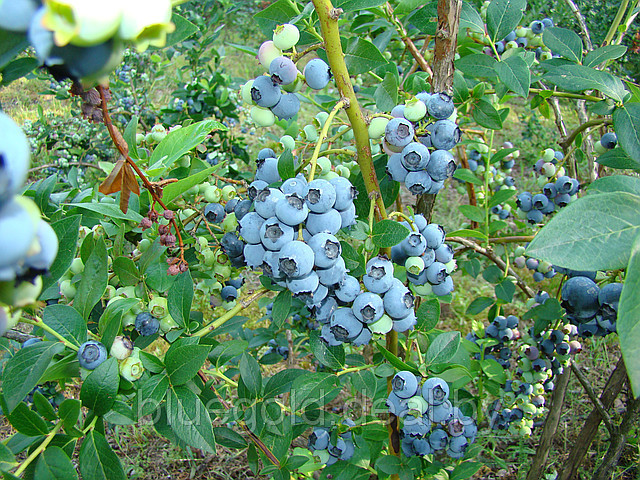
292,210
397,406
407,323
415,426
418,183
414,244
325,309
435,391
334,275
321,196
547,22
444,253
16,15
379,275
580,297
368,307
440,106
214,213
266,201
287,107
436,273
326,249
250,226
48,241
29,342
445,134
267,170
344,325
562,200
588,329
537,27
407,446
274,234
296,259
242,208
265,92
255,187
609,295
91,354
348,216
317,74
550,190
348,290
609,140
525,201
441,166
398,111
303,286
438,439
146,324
434,234
504,214
297,185
14,150
328,222
283,71
398,301
230,206
415,157
395,169
535,216
404,384
229,293
345,193
319,439
399,132
266,153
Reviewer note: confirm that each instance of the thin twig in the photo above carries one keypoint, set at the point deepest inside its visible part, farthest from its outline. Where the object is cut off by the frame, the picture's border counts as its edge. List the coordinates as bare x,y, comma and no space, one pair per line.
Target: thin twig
594,398
586,37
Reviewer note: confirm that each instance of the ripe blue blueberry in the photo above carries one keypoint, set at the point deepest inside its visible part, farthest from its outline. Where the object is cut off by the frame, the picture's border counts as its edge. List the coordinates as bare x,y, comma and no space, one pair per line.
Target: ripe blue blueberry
266,201
321,196
317,74
609,140
253,255
398,301
326,249
274,234
265,92
297,185
550,190
324,309
436,273
525,201
16,15
434,234
266,153
415,426
296,259
319,439
441,413
536,27
344,325
242,208
441,166
397,406
232,245
379,275
348,290
368,307
399,132
14,154
287,107
435,391
348,216
418,183
580,297
303,286
146,324
415,156
407,323
292,210
267,170
404,384
438,439
443,288
328,222
229,293
444,253
534,216
445,134
283,71
414,244
250,225
562,200
214,213
345,193
91,354
255,187
440,106
395,169
334,275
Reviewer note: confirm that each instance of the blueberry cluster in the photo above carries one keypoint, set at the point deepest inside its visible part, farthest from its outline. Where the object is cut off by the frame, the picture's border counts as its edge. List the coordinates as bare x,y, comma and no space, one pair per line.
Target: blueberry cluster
277,349
430,423
421,124
328,451
541,270
558,189
73,39
274,95
503,330
29,245
427,259
592,309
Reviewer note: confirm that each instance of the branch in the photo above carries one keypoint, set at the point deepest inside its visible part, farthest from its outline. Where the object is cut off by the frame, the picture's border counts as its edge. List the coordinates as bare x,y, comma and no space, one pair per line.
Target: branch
583,25
550,426
241,305
609,393
616,22
415,53
594,399
17,336
497,260
70,164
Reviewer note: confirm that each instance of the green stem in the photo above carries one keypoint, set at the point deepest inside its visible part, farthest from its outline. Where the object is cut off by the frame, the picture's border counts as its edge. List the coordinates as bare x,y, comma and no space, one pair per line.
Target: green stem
633,13
354,369
338,151
323,134
596,122
486,189
222,376
91,426
38,450
230,314
36,322
616,22
406,217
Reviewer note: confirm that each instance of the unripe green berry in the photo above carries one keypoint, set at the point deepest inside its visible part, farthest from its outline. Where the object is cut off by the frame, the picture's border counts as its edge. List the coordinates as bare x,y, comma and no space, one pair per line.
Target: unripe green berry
131,368
377,127
414,265
121,348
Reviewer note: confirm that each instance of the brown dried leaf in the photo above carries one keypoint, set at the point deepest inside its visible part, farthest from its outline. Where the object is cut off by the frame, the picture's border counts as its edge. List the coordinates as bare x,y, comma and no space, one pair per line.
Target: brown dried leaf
121,179
113,183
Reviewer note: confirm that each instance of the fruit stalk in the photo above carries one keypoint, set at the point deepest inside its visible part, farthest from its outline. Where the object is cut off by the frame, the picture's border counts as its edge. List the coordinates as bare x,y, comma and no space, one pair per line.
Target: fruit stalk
230,314
323,134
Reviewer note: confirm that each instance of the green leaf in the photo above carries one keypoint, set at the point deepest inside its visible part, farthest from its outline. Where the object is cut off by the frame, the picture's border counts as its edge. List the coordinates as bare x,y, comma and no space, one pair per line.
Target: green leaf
97,460
311,389
428,315
332,357
183,361
626,122
515,74
472,212
99,390
126,270
174,190
356,5
228,438
250,374
595,232
94,280
465,470
54,464
18,68
386,94
501,196
396,362
151,393
477,65
362,56
189,419
615,183
281,382
11,44
492,274
479,304
130,137
503,16
28,422
226,351
286,168
5,454
563,42
389,464
604,54
184,29
43,407
353,260
467,233
69,412
619,159
628,323
180,297
443,348
108,210
387,233
505,291
177,143
67,232
470,18
281,308
23,371
67,322
486,115
466,175
275,14
578,78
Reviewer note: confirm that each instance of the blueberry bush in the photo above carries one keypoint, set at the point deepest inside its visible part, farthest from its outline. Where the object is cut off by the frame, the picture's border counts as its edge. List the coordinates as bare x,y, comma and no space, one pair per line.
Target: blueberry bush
153,233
